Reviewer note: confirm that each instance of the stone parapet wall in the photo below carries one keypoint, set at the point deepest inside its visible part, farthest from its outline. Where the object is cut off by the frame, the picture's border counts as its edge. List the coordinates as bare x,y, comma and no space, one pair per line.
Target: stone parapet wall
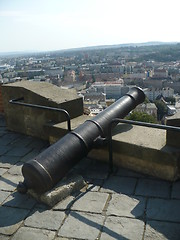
31,121
173,137
1,100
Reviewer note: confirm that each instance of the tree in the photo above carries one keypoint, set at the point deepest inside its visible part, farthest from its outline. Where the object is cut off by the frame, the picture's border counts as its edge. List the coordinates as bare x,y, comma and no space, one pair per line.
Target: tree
142,117
170,100
161,109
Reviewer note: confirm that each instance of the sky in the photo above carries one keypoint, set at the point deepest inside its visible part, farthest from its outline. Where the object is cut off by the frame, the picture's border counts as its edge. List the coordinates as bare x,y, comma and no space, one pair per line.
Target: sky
45,25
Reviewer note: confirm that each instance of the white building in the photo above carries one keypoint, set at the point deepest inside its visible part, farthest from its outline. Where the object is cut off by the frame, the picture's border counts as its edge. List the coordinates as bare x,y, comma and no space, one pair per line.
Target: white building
153,93
113,90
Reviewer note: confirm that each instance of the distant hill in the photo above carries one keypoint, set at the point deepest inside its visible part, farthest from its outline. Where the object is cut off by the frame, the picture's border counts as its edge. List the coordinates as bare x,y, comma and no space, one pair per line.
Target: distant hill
120,45
155,43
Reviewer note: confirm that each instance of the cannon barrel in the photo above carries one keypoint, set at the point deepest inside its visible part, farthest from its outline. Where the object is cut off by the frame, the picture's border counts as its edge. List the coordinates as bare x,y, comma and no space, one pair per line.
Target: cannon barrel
50,166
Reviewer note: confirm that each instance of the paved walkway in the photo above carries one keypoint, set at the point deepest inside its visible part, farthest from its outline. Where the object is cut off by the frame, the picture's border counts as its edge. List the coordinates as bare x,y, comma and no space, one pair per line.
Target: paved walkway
125,205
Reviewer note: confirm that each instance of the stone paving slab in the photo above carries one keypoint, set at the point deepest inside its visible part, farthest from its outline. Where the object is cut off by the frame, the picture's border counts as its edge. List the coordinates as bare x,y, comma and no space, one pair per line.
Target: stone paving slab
2,171
153,188
126,206
8,161
122,229
123,172
91,202
8,138
117,184
18,151
11,219
3,196
65,204
30,155
3,237
176,190
4,149
165,210
16,169
162,231
33,234
99,211
9,182
50,220
82,226
20,201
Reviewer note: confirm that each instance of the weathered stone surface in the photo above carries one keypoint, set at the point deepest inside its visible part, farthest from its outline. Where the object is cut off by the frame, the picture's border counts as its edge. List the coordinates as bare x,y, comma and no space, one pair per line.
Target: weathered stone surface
16,169
125,206
3,237
9,182
90,202
153,188
3,196
7,161
119,185
161,209
176,190
172,137
2,171
11,220
31,121
8,138
124,172
4,149
162,231
63,189
49,219
33,233
81,226
122,228
65,204
20,201
18,151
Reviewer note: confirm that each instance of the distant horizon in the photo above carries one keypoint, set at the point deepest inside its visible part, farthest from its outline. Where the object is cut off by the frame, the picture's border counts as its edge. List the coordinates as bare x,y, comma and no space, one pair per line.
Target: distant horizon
132,44
54,25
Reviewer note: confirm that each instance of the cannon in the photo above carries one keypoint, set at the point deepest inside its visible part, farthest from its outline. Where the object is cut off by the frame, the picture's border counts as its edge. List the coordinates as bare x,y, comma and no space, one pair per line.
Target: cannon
49,167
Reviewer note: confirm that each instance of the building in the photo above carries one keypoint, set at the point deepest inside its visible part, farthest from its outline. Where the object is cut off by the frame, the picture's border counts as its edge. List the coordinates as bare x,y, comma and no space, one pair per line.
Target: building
160,73
149,108
153,93
113,90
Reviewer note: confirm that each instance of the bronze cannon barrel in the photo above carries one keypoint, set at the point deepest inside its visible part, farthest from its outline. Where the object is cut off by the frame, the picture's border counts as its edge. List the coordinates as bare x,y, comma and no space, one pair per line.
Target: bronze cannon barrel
50,166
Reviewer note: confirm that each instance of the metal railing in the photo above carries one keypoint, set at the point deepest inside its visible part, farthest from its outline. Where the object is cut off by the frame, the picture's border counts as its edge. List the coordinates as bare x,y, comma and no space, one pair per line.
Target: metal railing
17,101
142,124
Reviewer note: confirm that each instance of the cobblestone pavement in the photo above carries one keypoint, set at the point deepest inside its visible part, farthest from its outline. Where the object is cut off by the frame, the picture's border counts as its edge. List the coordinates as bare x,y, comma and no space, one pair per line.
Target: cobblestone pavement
125,205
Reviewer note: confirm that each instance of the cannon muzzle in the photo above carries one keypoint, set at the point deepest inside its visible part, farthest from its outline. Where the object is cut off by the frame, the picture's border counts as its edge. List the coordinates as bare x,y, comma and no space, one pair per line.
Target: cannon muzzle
50,166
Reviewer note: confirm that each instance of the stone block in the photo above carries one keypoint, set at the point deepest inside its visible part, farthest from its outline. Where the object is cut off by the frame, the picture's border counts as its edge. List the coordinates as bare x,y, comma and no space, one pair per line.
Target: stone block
3,196
162,231
31,121
117,184
176,190
82,226
165,210
18,200
33,233
9,182
126,206
173,137
11,220
122,228
50,220
90,202
66,187
153,188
